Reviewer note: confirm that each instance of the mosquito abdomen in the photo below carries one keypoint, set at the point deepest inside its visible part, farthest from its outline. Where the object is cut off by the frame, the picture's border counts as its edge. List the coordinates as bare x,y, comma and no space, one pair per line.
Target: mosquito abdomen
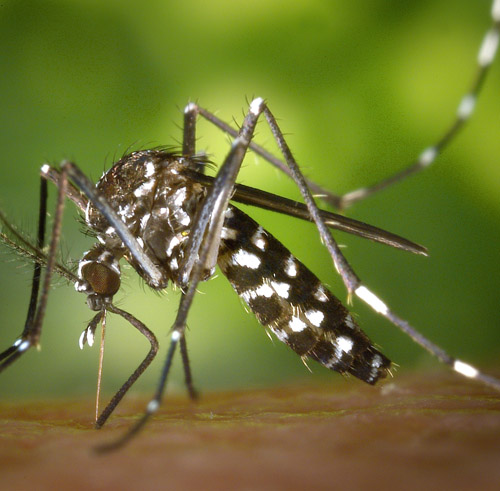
291,301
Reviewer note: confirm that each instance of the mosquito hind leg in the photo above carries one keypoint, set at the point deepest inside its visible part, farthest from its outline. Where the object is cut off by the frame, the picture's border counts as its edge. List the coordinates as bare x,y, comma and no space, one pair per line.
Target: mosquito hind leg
465,109
353,282
327,195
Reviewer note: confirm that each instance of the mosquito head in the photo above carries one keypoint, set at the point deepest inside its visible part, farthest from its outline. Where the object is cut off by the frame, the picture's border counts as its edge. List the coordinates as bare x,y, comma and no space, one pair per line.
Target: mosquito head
102,279
99,276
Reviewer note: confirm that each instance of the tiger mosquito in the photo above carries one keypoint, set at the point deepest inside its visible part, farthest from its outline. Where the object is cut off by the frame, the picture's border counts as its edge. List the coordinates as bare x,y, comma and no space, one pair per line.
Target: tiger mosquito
160,212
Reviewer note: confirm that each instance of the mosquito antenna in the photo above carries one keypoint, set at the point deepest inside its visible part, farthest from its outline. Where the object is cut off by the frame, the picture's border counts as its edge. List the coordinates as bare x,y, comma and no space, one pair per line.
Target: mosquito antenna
25,250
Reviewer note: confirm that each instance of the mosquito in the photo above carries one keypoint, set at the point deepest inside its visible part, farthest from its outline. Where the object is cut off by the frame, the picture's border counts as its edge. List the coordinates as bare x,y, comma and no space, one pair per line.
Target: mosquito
160,212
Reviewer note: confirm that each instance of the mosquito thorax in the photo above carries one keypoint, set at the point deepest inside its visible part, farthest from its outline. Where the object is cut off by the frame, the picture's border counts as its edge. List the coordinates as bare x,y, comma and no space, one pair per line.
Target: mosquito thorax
154,196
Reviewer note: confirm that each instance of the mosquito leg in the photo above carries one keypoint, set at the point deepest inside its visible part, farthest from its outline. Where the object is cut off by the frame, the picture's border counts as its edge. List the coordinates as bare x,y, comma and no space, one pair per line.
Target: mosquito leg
153,405
465,109
35,285
189,137
351,280
218,196
51,259
188,378
28,251
138,371
52,174
457,365
176,336
485,58
33,326
37,273
329,197
189,130
198,251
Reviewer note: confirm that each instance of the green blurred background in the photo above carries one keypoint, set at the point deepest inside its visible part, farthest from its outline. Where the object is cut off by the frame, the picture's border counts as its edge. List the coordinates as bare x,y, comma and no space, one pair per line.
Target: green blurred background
359,87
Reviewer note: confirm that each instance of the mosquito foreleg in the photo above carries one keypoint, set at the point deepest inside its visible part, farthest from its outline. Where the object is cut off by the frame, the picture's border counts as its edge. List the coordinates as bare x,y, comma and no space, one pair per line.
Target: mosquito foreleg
37,306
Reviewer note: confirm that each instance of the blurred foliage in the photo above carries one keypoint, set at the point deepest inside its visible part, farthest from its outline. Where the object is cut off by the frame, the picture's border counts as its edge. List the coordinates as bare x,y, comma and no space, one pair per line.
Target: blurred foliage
359,87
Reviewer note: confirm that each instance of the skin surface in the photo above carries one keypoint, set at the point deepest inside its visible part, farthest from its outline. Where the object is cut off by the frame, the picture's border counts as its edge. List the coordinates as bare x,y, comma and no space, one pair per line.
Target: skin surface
426,429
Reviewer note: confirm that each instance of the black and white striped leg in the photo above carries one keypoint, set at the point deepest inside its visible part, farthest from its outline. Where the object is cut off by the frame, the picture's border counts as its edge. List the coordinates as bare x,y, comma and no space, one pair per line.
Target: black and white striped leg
351,280
36,310
459,366
349,277
465,109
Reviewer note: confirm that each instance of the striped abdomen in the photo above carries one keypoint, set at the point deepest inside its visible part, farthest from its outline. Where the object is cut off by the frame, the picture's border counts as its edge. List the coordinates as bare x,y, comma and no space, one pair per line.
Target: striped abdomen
286,297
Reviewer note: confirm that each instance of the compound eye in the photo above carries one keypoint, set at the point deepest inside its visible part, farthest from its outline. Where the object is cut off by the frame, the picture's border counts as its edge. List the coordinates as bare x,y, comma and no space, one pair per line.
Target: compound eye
102,279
